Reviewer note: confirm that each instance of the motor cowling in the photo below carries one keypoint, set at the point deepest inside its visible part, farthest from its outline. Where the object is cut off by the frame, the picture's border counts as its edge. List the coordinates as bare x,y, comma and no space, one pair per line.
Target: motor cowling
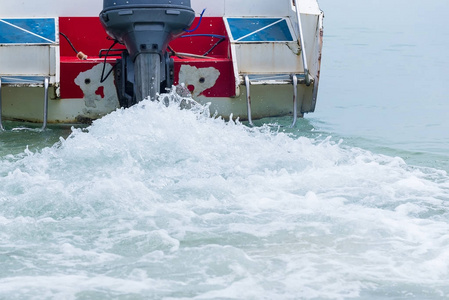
146,27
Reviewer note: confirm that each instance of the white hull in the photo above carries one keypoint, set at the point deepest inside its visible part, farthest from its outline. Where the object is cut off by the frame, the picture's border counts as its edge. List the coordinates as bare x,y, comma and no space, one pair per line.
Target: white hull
268,98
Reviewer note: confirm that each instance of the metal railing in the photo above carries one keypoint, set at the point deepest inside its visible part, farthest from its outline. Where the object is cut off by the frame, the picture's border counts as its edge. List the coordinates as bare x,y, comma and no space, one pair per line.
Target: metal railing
301,41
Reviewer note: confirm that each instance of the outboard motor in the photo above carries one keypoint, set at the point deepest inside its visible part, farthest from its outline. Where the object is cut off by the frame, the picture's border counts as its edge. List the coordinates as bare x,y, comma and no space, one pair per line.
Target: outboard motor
145,27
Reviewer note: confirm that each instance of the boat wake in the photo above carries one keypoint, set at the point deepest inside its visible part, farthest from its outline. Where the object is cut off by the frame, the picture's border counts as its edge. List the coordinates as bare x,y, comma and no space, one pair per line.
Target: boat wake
156,201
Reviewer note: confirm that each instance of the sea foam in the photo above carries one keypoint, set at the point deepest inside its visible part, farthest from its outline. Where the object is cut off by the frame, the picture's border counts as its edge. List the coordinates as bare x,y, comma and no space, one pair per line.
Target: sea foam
161,202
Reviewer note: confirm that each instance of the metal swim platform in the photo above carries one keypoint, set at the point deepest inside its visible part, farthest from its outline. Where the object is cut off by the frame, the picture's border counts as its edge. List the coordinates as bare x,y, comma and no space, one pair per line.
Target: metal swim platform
267,79
30,81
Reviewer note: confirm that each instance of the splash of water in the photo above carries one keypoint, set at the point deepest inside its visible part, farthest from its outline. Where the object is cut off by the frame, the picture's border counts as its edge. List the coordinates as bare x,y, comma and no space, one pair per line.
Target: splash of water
161,202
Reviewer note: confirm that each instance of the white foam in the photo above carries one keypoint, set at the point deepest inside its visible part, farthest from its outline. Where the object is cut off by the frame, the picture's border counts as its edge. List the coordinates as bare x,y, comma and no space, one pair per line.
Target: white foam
164,202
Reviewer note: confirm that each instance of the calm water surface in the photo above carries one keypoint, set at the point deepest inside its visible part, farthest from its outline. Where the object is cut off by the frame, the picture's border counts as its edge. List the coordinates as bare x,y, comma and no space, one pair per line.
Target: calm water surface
155,202
384,84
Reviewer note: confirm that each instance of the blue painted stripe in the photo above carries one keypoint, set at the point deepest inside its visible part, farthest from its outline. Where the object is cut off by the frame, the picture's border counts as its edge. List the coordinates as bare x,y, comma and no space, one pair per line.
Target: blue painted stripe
259,29
27,31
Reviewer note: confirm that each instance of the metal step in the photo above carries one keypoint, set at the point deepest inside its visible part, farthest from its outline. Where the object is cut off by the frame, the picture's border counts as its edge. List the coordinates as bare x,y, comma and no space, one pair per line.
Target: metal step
22,81
28,81
275,79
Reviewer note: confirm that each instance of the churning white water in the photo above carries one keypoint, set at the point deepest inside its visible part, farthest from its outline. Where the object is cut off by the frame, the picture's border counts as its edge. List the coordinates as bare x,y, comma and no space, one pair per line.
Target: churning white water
156,202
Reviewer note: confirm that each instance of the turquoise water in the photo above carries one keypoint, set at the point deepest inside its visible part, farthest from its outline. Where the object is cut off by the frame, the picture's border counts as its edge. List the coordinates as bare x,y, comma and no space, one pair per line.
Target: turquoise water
156,202
384,83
